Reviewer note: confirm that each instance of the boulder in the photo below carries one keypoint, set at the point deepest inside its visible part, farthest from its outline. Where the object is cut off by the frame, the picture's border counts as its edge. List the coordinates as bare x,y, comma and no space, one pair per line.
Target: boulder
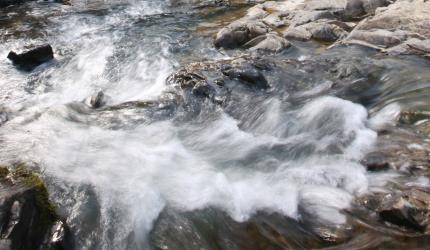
240,32
322,30
277,19
410,209
304,16
412,46
246,73
375,161
32,58
346,9
270,42
400,28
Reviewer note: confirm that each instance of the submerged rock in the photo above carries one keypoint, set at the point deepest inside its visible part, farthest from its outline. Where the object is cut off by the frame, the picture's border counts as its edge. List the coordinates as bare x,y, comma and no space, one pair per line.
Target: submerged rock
97,100
246,73
375,161
411,210
27,216
32,58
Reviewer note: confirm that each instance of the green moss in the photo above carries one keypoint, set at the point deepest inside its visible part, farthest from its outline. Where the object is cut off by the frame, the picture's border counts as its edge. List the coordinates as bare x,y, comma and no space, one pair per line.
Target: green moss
46,208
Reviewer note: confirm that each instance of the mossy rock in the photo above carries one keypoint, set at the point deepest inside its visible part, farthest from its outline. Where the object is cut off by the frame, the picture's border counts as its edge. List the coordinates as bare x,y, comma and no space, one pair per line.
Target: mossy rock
23,174
36,214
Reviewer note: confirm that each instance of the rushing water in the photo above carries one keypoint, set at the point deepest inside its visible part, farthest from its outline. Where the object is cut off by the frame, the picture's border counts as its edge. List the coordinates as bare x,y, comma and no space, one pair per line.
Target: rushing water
112,173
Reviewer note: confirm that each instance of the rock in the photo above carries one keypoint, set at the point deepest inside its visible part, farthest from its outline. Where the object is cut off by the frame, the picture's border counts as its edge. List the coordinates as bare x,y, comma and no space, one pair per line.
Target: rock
32,58
375,162
26,214
270,42
305,16
412,117
203,89
411,46
322,30
185,78
247,73
379,38
175,229
300,34
410,210
346,9
394,27
239,32
276,19
256,12
97,100
5,3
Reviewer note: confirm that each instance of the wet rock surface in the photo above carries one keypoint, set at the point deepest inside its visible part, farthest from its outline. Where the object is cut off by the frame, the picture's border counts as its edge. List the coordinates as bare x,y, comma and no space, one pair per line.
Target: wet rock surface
398,28
28,218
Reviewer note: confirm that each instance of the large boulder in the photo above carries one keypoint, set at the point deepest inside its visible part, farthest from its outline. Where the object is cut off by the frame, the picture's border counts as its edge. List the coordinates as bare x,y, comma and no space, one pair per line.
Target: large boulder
402,27
32,58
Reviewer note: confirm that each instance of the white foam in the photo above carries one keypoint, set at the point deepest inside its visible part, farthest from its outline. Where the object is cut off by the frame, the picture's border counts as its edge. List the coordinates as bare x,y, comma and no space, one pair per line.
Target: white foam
138,171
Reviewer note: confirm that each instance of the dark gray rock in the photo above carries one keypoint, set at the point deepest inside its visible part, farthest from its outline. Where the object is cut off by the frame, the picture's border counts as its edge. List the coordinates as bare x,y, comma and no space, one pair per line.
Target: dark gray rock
97,100
375,162
32,58
247,73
